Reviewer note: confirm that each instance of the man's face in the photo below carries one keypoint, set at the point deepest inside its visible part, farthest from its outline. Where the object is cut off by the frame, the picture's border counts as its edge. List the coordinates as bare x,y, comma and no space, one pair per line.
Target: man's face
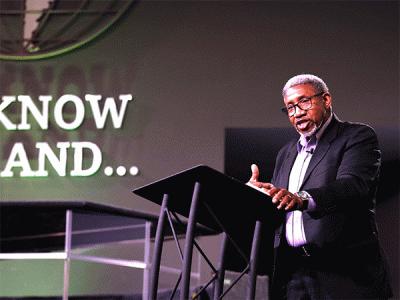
306,122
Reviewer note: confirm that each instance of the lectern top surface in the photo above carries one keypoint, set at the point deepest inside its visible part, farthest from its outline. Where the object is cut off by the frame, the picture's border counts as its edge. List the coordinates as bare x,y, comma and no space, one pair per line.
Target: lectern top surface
229,200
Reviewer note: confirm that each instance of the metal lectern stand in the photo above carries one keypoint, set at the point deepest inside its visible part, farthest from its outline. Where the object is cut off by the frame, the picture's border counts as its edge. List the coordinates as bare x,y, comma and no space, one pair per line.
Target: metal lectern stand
222,204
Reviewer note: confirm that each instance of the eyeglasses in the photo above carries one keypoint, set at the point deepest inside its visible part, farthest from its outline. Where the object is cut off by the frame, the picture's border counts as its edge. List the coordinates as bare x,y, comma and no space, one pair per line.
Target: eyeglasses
303,104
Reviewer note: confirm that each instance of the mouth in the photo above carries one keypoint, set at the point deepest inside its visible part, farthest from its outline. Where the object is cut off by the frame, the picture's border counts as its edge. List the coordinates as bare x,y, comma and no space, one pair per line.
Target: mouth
302,125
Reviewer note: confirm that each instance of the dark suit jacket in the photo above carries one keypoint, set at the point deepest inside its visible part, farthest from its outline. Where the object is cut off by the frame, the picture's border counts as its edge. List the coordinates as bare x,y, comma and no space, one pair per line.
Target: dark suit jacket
342,178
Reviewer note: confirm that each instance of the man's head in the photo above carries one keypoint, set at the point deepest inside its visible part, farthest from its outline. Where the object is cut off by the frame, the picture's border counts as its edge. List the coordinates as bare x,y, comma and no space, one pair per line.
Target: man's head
308,103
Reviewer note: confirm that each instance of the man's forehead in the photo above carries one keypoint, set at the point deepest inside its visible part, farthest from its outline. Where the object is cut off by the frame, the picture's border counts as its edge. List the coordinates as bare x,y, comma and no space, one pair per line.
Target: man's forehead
303,90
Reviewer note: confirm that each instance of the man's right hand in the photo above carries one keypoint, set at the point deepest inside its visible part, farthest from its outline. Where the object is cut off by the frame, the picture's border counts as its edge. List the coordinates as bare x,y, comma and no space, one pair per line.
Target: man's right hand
281,197
254,179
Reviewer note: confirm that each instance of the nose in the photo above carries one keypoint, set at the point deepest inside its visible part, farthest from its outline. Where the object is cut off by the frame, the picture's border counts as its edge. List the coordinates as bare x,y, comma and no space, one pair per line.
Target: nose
298,111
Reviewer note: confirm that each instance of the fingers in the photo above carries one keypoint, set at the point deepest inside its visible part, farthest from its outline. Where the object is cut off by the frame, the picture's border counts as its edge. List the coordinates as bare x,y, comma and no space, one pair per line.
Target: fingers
287,202
278,194
267,186
292,203
283,198
255,173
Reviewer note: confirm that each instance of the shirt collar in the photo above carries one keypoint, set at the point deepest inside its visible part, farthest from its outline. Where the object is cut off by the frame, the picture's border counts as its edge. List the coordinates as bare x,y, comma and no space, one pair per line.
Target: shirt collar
311,144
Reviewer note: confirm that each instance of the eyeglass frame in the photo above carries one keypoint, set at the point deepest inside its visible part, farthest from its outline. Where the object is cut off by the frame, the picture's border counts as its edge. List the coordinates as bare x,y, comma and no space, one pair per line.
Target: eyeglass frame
286,111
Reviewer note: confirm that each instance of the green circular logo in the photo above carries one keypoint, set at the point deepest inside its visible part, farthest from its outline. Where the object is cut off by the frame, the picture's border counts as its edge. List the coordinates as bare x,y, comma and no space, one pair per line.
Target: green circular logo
34,29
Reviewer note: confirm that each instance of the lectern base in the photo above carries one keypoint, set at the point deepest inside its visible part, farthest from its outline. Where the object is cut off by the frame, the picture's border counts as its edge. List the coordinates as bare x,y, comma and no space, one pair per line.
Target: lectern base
210,198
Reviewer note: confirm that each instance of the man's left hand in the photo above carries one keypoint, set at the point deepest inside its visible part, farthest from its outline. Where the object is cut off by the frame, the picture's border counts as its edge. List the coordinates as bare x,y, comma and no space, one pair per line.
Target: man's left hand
285,199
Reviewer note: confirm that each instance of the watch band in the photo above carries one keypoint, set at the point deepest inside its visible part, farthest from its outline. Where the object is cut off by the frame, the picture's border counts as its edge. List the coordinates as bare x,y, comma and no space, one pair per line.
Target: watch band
304,197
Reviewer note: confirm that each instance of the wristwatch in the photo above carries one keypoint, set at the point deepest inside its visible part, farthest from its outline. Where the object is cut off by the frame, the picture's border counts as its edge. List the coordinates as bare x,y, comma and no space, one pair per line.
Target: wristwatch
305,197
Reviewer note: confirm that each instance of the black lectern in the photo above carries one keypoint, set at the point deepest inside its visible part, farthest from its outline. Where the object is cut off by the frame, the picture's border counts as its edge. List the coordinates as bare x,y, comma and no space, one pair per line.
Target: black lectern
218,202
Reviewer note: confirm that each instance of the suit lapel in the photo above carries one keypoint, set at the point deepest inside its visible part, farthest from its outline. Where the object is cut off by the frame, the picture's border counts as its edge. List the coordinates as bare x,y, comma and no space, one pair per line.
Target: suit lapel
287,166
322,147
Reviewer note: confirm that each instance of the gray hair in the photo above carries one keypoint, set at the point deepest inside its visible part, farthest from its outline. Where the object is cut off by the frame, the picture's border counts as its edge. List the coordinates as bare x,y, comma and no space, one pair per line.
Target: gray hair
317,83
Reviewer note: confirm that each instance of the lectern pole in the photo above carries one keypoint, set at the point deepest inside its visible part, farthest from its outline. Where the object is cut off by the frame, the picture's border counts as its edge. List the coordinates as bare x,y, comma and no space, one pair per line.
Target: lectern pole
251,292
158,245
187,258
219,284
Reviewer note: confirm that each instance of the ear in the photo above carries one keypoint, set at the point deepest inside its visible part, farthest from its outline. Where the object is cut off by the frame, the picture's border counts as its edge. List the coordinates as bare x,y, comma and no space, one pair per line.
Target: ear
327,98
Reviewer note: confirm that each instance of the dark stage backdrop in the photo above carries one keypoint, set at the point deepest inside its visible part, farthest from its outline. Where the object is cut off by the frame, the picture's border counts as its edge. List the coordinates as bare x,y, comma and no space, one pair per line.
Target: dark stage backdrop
153,95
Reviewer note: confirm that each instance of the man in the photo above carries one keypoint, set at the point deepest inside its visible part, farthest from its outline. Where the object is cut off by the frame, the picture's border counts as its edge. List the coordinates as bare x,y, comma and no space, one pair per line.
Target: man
327,246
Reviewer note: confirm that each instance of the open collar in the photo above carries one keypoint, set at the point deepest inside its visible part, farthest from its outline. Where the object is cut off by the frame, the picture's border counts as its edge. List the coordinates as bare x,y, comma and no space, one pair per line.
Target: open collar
310,144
